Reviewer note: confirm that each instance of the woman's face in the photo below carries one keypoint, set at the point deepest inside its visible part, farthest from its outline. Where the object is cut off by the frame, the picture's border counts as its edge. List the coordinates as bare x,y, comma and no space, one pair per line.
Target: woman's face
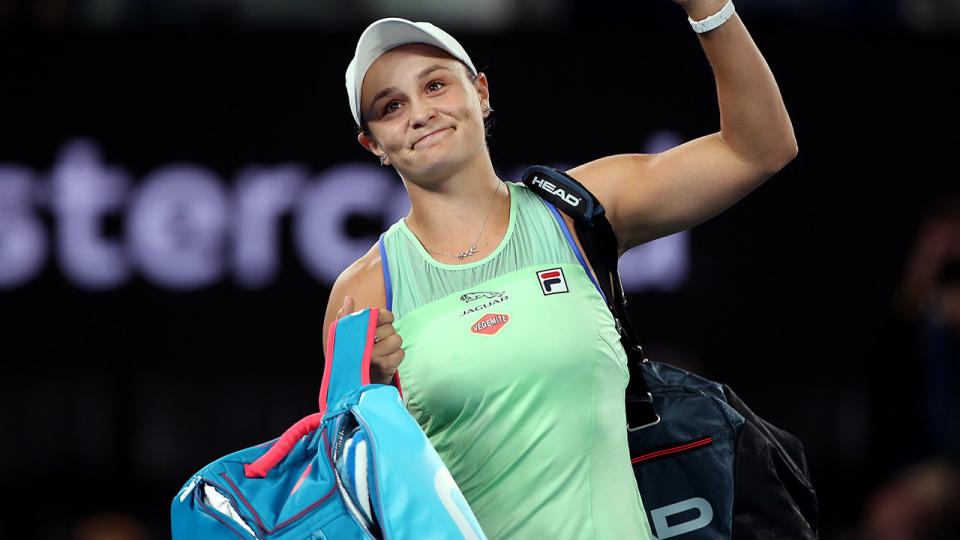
422,111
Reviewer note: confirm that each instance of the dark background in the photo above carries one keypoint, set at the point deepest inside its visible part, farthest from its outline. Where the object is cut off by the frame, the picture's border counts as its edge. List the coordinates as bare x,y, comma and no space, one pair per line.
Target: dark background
110,400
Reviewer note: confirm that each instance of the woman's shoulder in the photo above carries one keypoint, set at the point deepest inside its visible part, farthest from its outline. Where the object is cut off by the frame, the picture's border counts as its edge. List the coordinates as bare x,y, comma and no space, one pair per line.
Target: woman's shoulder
363,280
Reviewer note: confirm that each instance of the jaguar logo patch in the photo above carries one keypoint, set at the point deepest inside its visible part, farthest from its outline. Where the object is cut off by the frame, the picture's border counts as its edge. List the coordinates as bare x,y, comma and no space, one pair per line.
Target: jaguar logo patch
491,298
471,296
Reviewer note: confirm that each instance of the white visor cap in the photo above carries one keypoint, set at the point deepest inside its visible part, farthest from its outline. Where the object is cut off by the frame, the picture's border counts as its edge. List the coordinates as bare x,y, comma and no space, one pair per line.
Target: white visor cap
385,34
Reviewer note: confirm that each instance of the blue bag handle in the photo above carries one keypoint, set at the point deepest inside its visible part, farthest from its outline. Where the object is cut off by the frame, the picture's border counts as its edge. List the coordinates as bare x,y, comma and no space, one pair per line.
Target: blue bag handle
347,368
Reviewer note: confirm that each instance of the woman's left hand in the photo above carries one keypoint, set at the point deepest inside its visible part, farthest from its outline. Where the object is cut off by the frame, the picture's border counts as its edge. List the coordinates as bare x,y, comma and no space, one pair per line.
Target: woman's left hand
648,196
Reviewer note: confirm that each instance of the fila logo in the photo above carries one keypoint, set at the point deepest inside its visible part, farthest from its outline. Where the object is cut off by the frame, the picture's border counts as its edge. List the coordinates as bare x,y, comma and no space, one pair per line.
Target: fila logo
559,192
490,324
551,281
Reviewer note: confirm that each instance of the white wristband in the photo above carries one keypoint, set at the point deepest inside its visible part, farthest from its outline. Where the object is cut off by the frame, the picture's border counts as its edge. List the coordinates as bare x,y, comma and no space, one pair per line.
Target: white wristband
714,20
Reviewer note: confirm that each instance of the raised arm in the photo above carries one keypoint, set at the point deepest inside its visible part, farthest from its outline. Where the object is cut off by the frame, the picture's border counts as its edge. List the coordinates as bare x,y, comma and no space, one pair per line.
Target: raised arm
652,195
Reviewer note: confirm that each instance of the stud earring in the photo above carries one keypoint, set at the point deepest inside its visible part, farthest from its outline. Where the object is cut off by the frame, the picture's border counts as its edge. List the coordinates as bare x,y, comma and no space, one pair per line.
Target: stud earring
487,110
383,159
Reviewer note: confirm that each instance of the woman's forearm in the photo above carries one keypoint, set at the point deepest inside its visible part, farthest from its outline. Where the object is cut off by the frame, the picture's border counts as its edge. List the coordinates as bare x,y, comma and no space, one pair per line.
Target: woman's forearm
753,119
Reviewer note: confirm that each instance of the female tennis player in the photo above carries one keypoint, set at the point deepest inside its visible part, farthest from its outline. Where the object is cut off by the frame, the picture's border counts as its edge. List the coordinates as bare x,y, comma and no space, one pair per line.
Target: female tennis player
506,352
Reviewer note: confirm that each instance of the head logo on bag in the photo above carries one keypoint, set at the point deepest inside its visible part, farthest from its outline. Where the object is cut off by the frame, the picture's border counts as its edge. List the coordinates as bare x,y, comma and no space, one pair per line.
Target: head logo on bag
556,191
660,518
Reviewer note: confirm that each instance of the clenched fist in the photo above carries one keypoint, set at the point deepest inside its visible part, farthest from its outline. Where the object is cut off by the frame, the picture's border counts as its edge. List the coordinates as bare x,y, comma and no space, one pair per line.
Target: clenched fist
387,353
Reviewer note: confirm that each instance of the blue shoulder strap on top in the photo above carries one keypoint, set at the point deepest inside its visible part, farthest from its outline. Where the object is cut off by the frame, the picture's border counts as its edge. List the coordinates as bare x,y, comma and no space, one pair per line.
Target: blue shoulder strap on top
574,248
385,265
348,368
388,288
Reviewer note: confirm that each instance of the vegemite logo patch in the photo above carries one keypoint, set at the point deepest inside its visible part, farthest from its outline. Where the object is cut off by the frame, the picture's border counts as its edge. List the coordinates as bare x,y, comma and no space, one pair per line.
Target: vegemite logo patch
552,281
490,324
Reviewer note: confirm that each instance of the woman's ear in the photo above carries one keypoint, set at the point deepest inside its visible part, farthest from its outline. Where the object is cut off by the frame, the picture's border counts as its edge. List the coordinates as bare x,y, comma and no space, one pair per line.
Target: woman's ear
483,90
373,146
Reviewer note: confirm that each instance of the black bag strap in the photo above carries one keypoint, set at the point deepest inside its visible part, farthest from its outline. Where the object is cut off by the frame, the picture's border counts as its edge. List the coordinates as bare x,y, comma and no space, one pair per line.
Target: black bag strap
600,248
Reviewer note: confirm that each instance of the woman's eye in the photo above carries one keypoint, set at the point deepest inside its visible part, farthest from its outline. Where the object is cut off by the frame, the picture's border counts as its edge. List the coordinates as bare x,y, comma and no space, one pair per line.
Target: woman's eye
389,108
432,86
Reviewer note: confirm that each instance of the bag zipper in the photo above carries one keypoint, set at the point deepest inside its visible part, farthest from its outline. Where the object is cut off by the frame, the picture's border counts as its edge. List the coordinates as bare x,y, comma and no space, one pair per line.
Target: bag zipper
341,429
672,450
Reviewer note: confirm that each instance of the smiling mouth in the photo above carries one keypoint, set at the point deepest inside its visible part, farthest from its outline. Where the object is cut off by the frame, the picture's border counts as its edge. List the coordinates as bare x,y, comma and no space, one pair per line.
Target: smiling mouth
429,135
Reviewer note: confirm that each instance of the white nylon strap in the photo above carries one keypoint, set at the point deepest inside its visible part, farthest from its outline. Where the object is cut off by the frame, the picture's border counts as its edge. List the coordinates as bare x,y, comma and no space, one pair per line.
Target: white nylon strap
714,20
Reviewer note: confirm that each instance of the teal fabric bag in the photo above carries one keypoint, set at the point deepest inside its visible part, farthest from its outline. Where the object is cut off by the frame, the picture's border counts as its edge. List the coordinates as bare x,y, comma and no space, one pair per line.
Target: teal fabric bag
360,469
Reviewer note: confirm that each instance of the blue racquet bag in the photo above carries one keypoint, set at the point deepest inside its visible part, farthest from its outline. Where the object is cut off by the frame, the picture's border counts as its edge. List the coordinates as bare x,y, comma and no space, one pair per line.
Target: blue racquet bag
360,469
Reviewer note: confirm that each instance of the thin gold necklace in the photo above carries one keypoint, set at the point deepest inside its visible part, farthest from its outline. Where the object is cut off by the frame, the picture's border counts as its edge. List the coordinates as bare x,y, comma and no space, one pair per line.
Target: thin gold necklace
472,250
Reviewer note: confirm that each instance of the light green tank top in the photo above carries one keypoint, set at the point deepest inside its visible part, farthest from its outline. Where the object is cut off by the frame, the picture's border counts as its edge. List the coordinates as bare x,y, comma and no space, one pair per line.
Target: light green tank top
514,370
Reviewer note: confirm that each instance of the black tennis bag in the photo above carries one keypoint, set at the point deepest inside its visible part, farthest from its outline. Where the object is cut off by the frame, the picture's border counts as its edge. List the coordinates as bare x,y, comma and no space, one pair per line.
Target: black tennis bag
707,467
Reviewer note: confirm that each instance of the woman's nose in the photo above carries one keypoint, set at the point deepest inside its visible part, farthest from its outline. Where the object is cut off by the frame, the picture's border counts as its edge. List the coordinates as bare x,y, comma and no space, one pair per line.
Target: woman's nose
421,113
